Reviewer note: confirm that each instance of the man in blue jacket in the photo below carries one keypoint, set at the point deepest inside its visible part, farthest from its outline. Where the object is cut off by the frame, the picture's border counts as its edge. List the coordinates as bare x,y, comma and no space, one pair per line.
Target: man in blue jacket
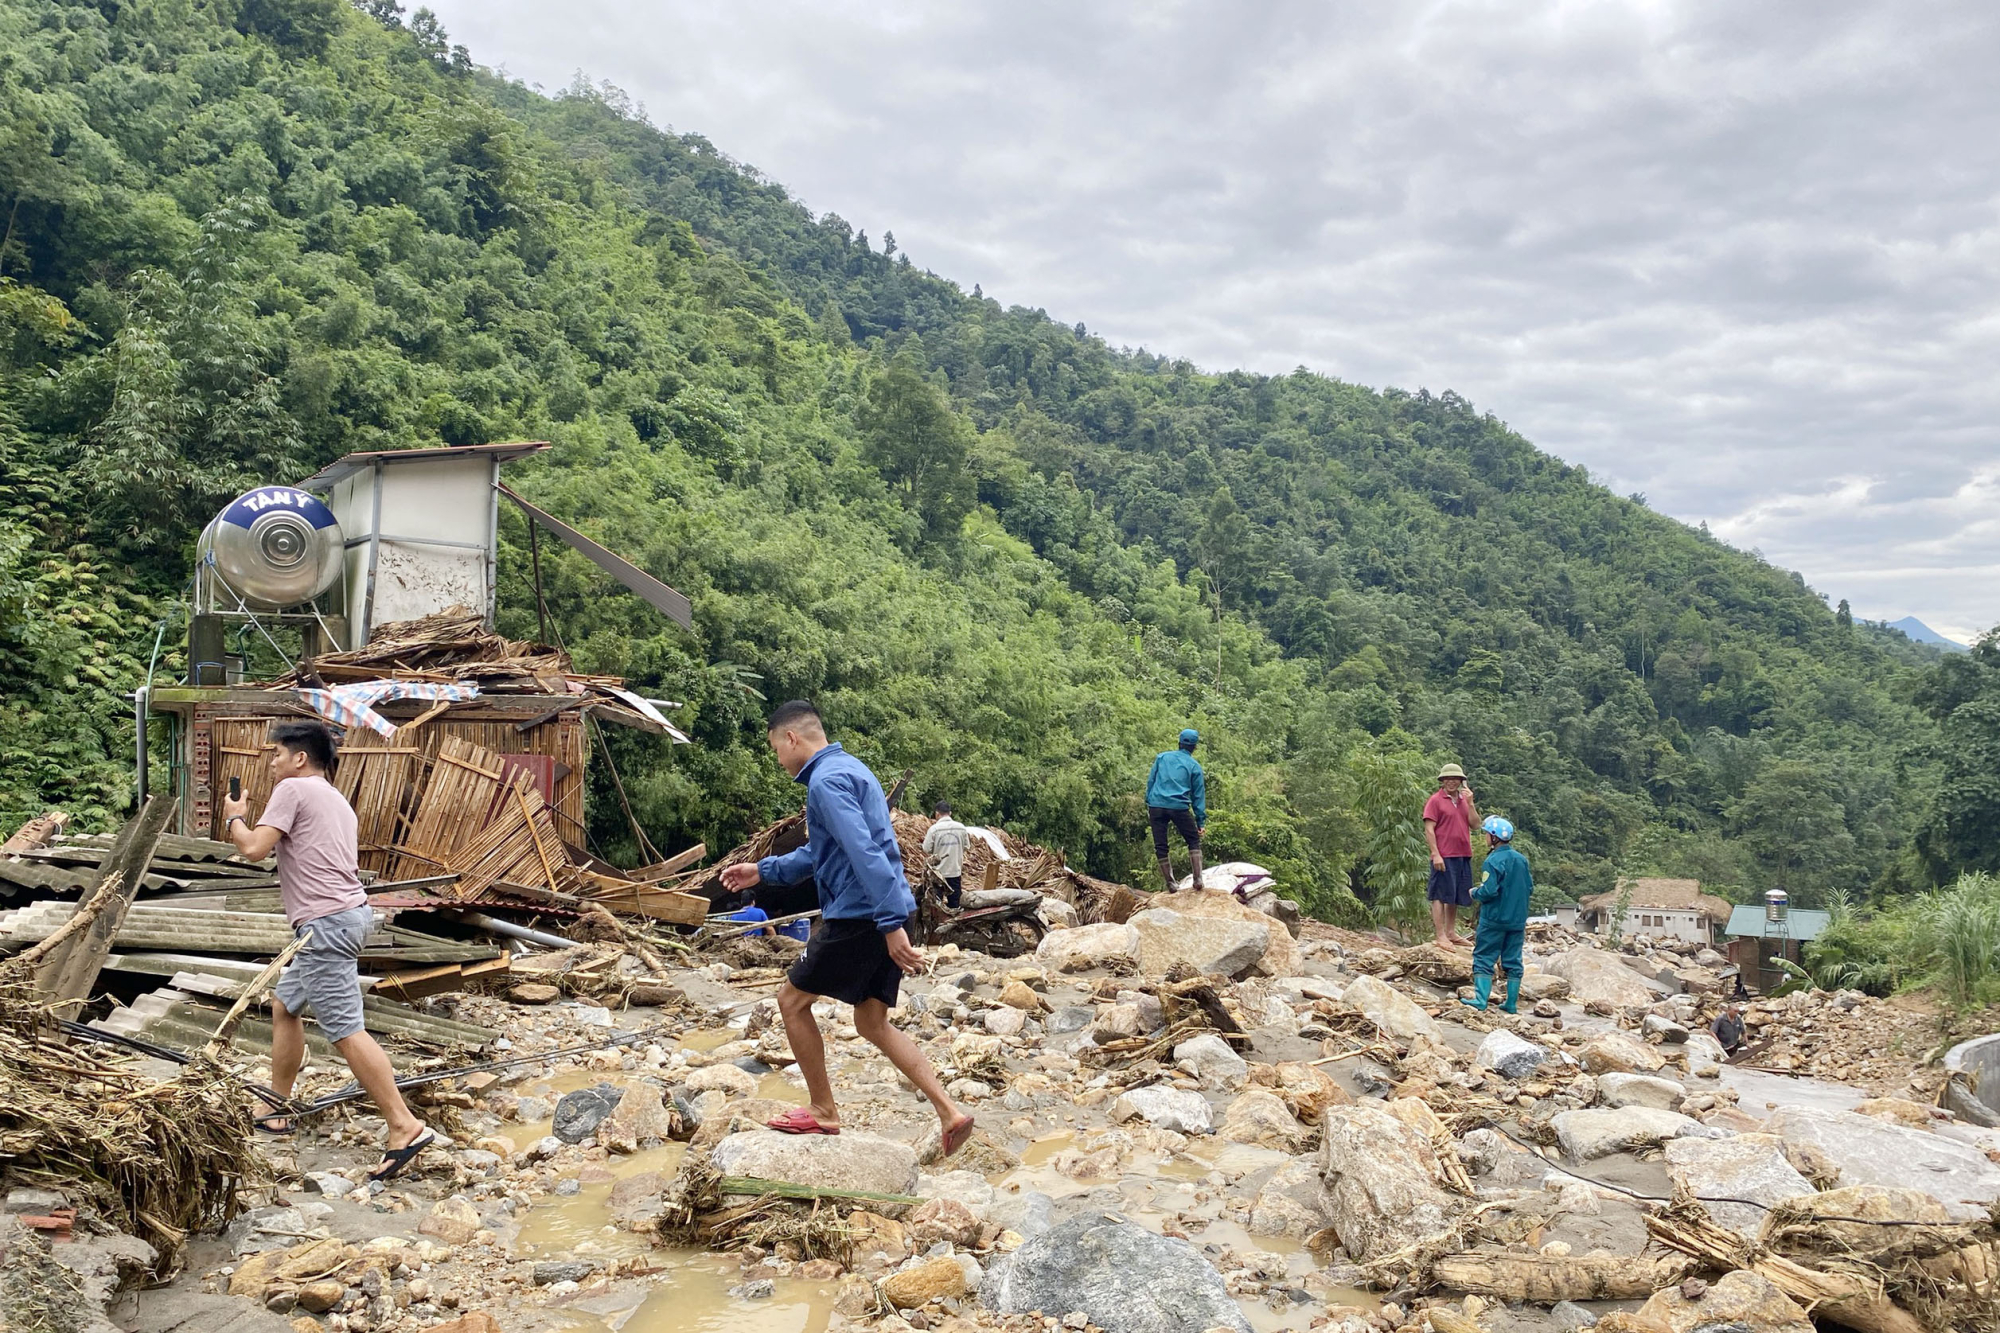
1176,795
1502,894
861,950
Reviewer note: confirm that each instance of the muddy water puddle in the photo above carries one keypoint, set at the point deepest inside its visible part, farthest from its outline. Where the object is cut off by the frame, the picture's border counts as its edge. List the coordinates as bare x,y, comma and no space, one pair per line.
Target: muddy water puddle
580,1224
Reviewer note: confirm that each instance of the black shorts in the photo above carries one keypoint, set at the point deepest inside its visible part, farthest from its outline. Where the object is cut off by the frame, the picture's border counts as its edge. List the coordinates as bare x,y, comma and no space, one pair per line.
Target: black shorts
849,961
1453,884
1182,819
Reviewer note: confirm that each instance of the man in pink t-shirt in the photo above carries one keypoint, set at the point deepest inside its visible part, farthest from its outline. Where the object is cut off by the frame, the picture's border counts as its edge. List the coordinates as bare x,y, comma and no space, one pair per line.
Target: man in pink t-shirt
1449,818
312,828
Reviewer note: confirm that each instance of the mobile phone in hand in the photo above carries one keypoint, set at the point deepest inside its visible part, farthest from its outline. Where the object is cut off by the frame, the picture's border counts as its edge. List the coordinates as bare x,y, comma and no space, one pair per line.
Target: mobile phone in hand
236,789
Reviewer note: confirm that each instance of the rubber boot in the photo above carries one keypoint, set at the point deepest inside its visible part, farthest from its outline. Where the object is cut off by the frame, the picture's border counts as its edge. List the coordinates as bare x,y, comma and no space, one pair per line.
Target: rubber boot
1167,872
1513,1004
1482,991
1194,860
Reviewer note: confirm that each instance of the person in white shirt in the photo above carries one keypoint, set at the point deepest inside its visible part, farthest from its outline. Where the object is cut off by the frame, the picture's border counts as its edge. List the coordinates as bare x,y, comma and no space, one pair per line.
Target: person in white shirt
946,845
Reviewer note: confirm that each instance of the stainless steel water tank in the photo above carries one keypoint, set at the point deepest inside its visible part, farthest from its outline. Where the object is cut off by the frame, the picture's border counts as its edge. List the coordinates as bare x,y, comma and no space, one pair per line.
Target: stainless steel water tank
1776,903
274,547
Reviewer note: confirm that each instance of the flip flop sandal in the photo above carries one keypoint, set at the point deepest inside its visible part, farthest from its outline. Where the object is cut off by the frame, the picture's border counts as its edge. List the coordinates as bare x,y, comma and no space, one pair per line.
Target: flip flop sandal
957,1136
263,1125
395,1159
799,1120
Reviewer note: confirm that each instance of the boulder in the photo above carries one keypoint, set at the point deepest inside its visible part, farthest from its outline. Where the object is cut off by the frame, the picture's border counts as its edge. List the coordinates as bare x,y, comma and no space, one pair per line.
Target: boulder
1868,1151
1177,1109
637,1197
1381,1179
1121,1277
1738,1302
453,1221
643,1117
1666,1029
944,1219
1105,944
1869,1203
1020,995
1619,1053
928,1281
1705,1055
1005,1022
967,1187
1055,914
1292,1204
1117,1021
1500,1161
1028,1213
739,1115
1901,1110
1508,1055
1594,975
1390,1010
1585,1135
1306,1088
1662,1094
724,1078
1539,985
1697,981
1070,1018
1210,1057
849,1160
1262,1118
1208,944
1281,952
1748,1166
579,1113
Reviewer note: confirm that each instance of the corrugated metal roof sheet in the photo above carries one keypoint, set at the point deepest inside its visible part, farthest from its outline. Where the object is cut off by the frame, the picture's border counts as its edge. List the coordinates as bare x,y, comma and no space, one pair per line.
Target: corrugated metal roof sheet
1801,923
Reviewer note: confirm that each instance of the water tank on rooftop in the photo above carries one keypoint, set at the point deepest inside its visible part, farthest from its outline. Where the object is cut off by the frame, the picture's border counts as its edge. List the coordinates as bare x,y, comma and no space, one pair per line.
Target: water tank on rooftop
1776,902
273,548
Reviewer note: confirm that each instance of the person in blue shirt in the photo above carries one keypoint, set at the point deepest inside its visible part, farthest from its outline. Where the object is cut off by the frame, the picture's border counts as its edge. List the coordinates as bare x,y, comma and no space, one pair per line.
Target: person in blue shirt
1176,794
1502,894
861,950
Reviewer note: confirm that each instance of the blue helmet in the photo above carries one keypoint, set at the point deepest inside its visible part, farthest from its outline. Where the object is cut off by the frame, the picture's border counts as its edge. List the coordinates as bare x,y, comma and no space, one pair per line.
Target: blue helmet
1499,828
1190,738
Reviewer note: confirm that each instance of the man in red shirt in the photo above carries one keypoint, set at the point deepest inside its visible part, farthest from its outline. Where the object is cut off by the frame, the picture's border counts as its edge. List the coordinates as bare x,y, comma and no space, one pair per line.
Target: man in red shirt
1449,818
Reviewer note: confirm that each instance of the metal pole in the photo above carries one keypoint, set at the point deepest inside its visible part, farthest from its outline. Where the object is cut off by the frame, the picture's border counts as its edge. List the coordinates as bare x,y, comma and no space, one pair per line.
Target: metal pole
541,607
139,697
512,931
493,537
374,553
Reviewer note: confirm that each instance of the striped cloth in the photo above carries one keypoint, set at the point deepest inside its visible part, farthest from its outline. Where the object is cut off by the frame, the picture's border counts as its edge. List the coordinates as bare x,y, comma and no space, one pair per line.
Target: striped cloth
354,705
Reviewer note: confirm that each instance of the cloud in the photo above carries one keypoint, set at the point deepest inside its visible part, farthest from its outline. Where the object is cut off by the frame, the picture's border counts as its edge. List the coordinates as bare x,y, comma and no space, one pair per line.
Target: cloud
1741,258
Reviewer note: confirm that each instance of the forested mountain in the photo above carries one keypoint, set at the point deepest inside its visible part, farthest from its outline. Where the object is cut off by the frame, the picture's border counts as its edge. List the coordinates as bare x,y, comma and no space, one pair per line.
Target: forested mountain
246,236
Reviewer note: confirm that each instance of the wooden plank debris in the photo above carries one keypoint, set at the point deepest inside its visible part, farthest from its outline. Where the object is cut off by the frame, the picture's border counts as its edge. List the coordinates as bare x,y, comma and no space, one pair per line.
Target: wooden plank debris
65,975
35,833
673,865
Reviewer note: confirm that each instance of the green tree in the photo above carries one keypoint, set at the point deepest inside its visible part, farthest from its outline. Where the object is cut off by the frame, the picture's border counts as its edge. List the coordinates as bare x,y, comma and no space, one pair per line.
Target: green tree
1794,826
911,435
1390,790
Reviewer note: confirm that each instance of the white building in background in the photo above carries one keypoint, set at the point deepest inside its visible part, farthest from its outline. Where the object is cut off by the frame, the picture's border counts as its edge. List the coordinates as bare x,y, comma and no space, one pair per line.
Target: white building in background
1675,908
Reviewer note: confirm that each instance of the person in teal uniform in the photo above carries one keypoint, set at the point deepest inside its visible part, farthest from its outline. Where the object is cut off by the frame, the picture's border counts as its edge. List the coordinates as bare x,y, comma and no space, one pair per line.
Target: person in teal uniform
1502,895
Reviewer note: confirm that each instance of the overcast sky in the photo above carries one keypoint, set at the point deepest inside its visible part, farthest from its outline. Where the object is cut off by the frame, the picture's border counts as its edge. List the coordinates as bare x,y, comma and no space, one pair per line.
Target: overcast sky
1742,258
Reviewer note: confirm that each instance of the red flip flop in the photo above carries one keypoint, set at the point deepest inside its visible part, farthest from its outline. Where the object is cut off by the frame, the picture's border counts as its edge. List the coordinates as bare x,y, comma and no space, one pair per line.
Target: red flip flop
956,1137
800,1120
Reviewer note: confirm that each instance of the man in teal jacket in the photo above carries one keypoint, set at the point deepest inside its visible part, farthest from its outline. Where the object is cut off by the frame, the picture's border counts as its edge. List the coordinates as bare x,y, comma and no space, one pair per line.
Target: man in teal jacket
1502,895
1176,794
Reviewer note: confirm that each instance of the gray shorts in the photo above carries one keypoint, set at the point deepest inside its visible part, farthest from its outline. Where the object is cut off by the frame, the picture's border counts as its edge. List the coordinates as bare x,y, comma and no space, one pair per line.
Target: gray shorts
325,978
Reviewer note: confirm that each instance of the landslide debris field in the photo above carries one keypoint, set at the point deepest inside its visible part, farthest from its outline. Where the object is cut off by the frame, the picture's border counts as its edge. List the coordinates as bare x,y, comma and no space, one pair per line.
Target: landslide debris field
1189,1119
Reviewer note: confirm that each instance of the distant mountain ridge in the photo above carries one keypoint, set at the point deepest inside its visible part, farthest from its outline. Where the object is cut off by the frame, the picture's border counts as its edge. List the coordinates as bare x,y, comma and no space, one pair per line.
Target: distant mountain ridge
1918,632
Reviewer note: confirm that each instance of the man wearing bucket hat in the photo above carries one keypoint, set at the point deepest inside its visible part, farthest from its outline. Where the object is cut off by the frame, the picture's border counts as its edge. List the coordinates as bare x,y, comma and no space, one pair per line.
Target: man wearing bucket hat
1176,794
1448,819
